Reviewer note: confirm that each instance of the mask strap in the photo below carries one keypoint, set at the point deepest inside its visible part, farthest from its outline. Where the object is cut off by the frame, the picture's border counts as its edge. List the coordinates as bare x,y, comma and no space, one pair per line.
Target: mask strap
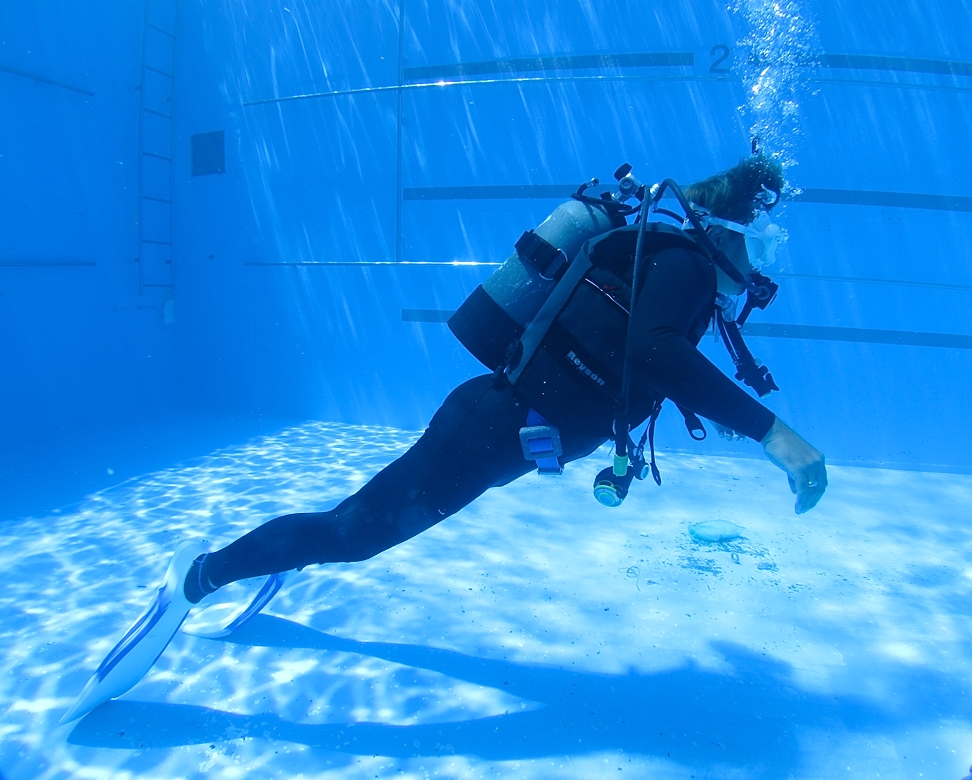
735,227
767,197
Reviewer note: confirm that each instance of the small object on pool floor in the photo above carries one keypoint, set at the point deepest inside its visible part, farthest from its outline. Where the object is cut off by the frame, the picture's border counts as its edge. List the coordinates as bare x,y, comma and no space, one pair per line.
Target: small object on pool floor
716,531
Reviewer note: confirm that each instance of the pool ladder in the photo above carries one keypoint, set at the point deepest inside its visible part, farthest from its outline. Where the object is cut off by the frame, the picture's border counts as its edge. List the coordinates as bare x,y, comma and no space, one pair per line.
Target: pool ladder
156,140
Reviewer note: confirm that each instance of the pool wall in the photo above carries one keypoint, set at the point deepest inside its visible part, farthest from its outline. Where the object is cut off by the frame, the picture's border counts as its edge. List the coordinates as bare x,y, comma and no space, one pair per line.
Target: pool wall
325,160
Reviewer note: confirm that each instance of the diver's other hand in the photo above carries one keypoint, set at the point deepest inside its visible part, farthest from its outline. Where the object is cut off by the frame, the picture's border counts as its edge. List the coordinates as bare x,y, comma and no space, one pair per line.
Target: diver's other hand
727,433
803,463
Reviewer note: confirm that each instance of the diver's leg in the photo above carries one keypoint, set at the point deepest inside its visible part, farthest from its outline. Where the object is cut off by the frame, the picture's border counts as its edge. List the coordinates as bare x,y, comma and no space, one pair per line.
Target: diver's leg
471,444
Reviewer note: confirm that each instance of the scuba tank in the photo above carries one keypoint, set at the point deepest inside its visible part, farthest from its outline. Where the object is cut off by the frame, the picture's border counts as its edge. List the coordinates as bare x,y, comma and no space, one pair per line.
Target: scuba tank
522,284
499,310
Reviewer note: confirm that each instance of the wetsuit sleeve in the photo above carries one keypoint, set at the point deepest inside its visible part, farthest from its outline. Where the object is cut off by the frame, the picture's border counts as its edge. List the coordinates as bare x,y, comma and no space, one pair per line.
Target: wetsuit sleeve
678,292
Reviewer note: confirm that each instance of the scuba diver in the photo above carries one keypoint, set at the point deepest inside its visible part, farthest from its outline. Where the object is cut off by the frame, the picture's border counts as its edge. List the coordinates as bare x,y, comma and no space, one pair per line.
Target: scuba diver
587,328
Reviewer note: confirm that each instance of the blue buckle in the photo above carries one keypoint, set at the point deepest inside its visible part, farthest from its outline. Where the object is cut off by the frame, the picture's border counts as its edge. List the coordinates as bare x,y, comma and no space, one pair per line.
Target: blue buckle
541,443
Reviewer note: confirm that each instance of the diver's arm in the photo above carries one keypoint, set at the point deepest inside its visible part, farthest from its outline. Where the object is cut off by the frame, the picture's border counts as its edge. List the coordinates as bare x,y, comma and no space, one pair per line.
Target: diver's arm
679,288
678,291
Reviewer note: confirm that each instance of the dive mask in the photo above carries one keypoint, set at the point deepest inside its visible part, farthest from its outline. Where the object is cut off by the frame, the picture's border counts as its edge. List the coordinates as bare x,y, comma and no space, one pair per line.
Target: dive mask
762,237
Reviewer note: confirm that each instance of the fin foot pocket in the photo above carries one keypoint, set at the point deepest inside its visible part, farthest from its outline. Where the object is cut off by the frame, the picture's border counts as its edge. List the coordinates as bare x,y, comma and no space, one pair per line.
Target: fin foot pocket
221,620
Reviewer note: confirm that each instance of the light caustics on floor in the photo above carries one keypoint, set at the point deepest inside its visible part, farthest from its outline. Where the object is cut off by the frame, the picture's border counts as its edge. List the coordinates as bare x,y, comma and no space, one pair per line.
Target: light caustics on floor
534,635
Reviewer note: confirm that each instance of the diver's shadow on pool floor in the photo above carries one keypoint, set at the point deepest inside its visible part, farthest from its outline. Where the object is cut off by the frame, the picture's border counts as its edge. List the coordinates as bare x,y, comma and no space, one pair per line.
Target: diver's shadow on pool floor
753,716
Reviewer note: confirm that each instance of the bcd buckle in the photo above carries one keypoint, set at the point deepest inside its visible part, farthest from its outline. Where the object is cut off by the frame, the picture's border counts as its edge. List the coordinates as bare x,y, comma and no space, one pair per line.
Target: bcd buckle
541,443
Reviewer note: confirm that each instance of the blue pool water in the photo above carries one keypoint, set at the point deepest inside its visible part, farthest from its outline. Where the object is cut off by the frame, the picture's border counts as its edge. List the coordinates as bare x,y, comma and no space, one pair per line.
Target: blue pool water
231,234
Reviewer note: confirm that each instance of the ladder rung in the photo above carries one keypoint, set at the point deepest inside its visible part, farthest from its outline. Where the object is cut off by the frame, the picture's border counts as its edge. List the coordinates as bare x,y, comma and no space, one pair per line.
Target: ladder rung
159,71
159,29
157,200
157,113
159,243
156,285
157,156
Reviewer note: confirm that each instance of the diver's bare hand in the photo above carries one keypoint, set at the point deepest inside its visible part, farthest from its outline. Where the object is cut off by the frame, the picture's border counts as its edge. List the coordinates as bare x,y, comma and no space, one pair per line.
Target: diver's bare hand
727,433
803,463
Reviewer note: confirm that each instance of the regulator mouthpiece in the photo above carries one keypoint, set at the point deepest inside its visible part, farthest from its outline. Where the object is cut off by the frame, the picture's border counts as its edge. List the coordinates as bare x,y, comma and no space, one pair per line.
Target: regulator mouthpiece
762,237
762,241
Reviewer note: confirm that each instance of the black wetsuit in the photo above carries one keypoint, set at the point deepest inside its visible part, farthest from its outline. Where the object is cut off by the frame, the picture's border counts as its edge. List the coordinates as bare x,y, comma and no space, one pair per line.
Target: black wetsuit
472,442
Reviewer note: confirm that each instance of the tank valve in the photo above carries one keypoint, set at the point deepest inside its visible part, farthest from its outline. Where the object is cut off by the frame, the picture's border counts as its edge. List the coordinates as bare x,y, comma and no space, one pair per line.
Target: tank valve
628,185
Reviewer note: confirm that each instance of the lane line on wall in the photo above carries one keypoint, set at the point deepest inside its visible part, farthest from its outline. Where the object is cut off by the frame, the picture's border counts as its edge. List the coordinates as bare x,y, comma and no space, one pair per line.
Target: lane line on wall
907,200
47,263
45,80
345,264
458,74
871,62
858,335
469,82
828,81
478,263
571,79
569,62
872,280
825,196
775,330
900,64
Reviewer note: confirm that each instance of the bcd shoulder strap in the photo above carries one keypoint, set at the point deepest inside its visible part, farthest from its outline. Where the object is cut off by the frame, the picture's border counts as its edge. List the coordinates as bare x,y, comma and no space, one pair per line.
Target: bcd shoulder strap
537,328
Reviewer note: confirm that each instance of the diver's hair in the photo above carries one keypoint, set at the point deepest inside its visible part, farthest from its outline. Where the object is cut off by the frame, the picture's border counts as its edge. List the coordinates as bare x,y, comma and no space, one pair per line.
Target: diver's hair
731,194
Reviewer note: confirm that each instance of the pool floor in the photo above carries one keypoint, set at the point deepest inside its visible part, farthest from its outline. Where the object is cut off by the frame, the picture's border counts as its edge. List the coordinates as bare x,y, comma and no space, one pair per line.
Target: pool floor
534,635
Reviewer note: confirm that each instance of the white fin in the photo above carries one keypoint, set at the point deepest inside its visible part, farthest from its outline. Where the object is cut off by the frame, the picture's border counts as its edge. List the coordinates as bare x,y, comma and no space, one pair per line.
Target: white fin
138,650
